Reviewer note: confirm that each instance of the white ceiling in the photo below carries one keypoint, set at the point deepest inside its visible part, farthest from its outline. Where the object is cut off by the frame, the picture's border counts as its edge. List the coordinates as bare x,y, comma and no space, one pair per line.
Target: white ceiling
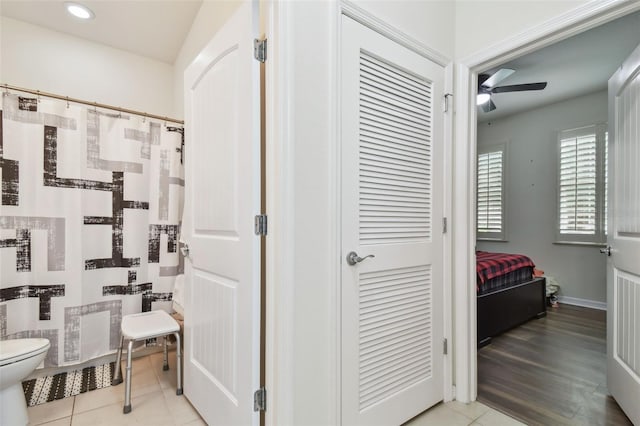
576,66
151,28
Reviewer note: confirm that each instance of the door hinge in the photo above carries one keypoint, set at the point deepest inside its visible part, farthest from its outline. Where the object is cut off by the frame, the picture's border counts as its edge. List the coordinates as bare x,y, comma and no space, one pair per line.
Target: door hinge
260,49
446,101
260,224
445,349
444,225
260,400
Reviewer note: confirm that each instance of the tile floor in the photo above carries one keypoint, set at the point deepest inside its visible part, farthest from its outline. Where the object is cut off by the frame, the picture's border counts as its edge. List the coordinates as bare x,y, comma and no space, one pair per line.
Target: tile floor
154,402
455,413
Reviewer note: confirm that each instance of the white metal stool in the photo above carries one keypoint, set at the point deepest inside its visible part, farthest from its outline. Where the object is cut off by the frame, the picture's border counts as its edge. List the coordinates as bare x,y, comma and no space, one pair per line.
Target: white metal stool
146,325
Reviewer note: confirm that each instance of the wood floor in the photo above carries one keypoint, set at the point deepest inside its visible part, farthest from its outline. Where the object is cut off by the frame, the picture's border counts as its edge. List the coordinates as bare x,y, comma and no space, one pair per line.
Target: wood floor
551,371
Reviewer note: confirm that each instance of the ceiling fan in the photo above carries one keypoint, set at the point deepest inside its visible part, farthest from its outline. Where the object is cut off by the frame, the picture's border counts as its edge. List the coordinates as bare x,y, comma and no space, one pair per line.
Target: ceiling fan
487,87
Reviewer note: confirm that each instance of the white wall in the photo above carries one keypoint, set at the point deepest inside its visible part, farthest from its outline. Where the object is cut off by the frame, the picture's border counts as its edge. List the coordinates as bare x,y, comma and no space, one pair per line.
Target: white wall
480,24
313,265
531,192
430,22
210,18
36,58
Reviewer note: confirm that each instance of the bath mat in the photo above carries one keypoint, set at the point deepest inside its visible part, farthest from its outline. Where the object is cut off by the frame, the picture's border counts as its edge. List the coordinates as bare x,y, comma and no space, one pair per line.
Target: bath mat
61,385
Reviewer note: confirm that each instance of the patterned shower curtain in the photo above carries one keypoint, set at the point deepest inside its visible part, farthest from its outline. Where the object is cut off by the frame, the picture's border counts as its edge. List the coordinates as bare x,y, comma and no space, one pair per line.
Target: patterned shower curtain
89,221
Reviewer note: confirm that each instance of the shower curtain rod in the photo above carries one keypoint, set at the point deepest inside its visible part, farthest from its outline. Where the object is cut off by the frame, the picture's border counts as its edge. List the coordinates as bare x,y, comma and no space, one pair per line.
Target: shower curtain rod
8,87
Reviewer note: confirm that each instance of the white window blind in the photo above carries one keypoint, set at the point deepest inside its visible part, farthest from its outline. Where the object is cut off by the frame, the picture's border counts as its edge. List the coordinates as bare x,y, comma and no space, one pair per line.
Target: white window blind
578,185
490,202
581,185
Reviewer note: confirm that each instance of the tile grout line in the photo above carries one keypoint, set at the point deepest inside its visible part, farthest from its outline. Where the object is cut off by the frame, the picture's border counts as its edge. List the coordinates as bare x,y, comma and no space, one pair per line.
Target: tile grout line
73,410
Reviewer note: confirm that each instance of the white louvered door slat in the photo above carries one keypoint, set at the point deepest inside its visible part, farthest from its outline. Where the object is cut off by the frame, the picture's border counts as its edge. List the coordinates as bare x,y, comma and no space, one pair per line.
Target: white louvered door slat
623,267
392,181
406,178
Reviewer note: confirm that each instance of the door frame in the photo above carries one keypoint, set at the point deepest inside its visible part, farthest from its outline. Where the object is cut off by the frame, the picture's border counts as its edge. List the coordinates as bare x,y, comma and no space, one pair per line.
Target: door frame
575,21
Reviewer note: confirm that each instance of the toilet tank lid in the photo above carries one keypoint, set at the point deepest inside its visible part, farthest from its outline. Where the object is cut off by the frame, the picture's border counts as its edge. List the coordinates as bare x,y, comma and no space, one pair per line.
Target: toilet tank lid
14,348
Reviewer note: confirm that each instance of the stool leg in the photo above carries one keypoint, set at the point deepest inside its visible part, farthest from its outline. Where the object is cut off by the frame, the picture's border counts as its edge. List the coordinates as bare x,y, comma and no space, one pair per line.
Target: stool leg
127,381
165,356
117,375
179,363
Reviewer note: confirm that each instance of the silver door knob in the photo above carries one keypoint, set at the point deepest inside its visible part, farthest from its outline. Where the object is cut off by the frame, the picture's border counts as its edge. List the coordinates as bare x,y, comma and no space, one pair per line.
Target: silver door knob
606,250
353,258
185,250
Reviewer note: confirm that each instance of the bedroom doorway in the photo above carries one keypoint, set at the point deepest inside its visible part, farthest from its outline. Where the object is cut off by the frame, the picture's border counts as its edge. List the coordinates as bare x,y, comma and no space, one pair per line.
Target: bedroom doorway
542,192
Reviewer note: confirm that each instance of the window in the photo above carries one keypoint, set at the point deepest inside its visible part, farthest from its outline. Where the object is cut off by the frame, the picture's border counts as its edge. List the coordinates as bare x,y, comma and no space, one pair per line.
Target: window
582,185
491,199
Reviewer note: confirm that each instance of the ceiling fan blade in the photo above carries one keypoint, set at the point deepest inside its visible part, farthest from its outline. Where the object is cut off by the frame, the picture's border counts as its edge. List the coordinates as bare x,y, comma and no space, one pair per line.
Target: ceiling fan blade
497,77
489,106
519,87
482,78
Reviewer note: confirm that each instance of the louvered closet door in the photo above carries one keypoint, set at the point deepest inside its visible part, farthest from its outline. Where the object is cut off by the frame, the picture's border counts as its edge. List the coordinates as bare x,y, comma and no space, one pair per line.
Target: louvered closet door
392,179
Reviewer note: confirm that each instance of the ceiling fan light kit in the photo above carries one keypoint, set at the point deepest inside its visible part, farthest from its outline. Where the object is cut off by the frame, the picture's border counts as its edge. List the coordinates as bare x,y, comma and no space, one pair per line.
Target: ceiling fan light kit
487,87
483,98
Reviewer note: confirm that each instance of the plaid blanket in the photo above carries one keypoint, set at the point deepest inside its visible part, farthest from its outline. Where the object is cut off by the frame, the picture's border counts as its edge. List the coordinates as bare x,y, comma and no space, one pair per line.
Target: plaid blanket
491,265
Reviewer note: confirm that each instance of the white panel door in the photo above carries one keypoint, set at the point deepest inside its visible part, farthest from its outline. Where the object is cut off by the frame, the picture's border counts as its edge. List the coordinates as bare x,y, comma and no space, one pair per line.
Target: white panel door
222,197
623,266
392,179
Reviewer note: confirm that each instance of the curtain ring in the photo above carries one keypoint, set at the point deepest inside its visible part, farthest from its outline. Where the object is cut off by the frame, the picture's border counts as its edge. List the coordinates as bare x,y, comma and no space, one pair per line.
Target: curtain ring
38,94
95,107
144,118
67,102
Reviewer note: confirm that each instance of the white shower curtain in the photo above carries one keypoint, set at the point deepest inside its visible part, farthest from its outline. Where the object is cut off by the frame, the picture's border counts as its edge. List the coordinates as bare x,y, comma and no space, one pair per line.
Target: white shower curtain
89,222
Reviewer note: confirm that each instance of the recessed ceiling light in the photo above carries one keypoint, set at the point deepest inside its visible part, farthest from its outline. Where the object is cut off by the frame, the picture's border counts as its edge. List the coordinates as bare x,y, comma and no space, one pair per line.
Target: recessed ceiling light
79,11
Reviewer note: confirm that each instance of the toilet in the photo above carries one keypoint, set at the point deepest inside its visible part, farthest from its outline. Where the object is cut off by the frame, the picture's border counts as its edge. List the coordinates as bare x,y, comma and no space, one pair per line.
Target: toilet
18,359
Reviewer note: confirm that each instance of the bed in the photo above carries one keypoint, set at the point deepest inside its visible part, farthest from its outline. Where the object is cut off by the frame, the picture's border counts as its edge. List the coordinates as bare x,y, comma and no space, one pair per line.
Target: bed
508,293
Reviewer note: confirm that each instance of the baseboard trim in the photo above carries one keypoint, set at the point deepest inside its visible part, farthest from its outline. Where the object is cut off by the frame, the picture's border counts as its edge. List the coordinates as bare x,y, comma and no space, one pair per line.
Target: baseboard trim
583,302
